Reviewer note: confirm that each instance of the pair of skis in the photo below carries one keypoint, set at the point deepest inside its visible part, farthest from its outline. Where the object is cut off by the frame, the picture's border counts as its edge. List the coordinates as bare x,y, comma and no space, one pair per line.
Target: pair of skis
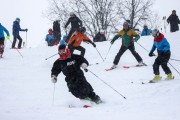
127,67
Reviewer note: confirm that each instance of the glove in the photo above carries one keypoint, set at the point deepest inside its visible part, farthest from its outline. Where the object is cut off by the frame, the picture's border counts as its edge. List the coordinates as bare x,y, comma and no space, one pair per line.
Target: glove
94,45
112,41
26,29
135,39
53,79
151,54
7,37
84,66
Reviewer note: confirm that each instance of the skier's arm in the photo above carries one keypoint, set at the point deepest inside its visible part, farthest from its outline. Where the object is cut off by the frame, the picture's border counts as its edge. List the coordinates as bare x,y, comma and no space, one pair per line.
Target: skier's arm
56,69
67,23
152,49
87,39
6,31
115,38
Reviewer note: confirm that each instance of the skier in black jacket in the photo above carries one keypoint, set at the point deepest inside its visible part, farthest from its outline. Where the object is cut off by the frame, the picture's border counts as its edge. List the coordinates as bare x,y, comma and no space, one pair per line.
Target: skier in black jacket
174,21
76,23
70,65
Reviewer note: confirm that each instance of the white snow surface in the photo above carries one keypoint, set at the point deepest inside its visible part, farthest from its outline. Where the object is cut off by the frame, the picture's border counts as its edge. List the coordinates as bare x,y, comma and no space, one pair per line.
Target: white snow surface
26,90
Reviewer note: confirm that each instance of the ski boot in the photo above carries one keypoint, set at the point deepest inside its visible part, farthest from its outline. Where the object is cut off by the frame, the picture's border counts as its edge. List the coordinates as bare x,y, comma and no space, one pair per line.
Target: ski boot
141,63
97,99
169,76
155,79
113,66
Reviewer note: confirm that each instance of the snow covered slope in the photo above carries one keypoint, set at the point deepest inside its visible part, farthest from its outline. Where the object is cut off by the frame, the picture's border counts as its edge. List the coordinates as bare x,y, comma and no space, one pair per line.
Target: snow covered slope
26,91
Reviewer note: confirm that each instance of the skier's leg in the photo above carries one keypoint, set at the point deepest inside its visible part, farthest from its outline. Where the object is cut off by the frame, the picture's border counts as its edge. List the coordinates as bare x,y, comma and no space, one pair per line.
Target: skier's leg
70,34
164,62
71,48
80,48
14,42
20,41
119,54
156,66
135,54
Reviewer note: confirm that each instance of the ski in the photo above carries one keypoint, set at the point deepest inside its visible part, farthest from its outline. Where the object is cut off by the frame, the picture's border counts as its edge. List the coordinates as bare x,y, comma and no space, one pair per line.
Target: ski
109,69
93,64
126,67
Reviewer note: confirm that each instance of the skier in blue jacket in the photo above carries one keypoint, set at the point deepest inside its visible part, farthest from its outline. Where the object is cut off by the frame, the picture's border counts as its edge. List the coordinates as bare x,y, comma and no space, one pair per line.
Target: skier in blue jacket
2,38
16,29
164,53
146,31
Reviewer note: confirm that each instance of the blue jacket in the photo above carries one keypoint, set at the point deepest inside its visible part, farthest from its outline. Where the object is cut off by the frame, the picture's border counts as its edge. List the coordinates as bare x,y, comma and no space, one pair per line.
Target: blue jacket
146,32
161,44
49,37
2,30
17,28
63,41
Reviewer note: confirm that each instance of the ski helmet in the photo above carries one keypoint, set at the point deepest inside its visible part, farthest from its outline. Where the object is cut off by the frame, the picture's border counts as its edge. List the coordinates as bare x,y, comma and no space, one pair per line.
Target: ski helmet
72,14
155,33
18,19
82,29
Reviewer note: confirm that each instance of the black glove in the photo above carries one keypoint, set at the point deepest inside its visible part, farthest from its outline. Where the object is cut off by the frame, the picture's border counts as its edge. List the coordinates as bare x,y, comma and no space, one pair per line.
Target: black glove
86,70
151,54
135,39
112,41
53,79
26,29
94,45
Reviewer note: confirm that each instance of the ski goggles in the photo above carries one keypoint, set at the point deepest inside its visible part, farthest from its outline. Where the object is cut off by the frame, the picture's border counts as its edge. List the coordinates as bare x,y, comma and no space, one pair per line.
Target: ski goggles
62,51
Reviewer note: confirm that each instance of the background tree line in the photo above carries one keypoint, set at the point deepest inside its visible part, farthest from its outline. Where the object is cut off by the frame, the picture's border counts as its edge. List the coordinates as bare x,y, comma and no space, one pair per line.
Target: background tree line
108,15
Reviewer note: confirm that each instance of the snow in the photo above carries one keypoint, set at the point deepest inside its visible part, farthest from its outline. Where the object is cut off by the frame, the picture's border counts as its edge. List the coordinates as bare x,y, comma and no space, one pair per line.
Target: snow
27,91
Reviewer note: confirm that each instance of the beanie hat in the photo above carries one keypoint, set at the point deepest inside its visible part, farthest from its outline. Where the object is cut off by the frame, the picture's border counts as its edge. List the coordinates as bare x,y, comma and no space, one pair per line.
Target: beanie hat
62,46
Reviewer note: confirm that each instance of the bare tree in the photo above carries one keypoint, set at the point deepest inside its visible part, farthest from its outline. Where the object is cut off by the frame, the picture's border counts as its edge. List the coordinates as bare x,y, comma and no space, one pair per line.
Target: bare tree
95,14
135,10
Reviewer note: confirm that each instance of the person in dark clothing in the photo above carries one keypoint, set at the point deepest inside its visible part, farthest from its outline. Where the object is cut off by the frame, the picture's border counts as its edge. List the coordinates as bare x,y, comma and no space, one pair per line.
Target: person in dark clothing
99,37
76,39
57,31
16,29
127,35
76,23
2,38
164,53
70,64
174,21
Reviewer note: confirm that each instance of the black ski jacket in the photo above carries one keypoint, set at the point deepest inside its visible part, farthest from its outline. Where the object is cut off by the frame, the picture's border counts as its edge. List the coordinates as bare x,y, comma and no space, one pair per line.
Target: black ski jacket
70,67
75,22
174,21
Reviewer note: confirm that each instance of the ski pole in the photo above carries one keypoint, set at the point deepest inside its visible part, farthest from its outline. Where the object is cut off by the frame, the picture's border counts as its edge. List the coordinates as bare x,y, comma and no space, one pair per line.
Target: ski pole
51,56
175,59
100,54
155,55
142,47
53,95
108,52
174,68
26,40
17,50
107,84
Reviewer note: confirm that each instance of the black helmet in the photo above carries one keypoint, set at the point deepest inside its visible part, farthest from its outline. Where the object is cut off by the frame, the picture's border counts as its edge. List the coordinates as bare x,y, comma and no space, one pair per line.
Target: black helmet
82,29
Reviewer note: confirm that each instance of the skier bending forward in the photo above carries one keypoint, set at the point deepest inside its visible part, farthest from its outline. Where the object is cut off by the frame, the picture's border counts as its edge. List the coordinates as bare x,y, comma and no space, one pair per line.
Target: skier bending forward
70,65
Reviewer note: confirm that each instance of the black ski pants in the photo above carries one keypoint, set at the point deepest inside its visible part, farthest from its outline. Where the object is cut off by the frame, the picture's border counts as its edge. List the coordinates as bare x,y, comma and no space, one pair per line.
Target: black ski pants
70,33
79,87
15,39
2,45
162,59
121,52
80,48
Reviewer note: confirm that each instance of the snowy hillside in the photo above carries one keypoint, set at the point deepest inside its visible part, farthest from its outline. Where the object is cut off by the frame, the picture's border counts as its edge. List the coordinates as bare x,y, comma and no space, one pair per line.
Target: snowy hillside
26,91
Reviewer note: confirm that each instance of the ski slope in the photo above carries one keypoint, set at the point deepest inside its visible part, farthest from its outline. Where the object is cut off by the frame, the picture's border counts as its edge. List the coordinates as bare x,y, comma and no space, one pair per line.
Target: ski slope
26,90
